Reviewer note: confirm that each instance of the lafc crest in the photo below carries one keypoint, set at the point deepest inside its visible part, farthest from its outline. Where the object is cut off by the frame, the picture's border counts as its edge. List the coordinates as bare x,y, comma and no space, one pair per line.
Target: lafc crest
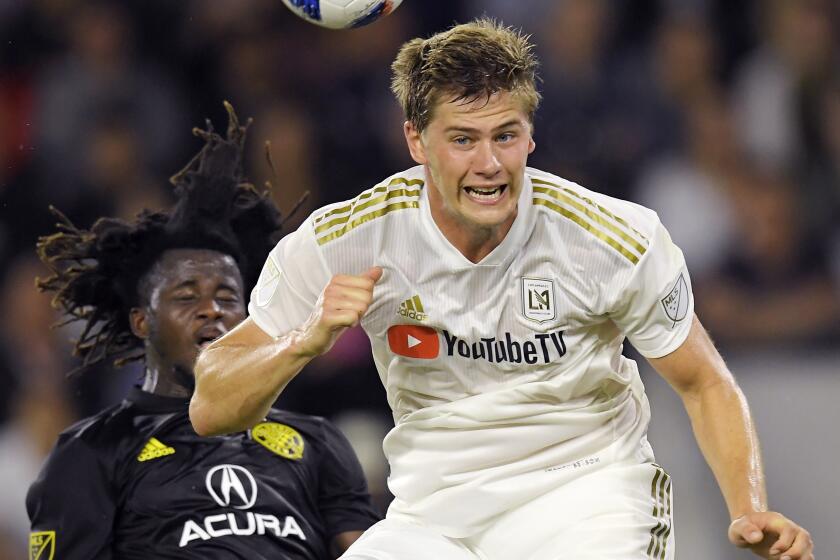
280,439
42,545
538,299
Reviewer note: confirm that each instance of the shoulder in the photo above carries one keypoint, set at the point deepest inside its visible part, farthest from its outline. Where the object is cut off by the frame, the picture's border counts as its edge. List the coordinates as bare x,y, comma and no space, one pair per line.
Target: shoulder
619,228
312,426
315,430
103,430
90,447
400,191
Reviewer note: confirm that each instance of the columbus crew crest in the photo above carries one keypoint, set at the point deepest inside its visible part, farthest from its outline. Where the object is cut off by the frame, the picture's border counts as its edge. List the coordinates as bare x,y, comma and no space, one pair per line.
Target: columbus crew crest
280,439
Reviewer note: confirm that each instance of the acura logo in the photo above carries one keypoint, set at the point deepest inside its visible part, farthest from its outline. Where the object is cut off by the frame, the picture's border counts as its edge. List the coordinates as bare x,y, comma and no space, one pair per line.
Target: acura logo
232,486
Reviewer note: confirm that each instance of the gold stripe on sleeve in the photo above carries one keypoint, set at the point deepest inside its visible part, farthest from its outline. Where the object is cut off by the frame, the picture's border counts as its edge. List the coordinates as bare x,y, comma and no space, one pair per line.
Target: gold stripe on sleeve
622,250
591,203
594,217
369,193
366,218
358,208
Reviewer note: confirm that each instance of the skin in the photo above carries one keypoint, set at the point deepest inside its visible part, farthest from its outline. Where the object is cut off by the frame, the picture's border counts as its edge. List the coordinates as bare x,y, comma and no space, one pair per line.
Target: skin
480,144
194,297
726,434
486,143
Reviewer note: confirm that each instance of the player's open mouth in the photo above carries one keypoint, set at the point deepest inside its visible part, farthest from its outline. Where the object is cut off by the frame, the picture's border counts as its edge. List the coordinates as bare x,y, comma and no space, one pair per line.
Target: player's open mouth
204,343
486,195
207,335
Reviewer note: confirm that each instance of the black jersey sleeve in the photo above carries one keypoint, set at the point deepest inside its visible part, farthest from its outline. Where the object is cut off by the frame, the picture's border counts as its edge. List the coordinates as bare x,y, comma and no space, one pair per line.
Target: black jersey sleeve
71,503
344,499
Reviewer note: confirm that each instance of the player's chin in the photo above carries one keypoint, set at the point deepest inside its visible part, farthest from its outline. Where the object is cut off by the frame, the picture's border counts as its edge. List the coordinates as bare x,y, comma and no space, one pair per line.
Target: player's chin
185,376
188,358
201,344
491,216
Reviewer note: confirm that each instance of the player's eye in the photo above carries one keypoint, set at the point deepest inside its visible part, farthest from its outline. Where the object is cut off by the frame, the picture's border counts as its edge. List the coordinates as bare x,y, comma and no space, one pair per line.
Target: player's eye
461,140
227,297
505,137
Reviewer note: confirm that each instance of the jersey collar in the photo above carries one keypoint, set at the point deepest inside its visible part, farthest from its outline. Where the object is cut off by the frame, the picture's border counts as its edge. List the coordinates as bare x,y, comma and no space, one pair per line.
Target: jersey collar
505,252
144,400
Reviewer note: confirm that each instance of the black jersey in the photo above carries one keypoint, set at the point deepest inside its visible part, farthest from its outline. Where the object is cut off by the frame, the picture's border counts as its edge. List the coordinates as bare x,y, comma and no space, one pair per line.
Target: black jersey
135,481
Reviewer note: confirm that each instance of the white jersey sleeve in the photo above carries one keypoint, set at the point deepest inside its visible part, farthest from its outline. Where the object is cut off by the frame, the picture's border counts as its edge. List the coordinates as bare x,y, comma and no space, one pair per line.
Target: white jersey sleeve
655,307
292,278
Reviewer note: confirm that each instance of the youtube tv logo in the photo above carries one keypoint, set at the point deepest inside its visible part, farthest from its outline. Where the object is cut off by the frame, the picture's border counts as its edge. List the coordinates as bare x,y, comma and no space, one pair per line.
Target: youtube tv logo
414,341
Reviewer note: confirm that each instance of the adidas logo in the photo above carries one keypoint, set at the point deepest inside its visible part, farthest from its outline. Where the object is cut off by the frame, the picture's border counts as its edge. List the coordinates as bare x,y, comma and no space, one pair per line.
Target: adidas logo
412,308
154,449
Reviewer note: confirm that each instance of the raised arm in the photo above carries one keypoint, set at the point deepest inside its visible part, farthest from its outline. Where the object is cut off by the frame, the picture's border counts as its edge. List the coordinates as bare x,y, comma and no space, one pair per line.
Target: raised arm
240,375
727,437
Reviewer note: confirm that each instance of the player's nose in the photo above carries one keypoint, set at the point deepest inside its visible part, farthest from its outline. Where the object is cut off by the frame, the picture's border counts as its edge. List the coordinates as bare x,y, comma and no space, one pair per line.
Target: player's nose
209,308
486,161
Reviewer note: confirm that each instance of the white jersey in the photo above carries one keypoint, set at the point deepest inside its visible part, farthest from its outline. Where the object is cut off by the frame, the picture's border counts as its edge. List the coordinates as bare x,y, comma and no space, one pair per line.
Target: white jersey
505,376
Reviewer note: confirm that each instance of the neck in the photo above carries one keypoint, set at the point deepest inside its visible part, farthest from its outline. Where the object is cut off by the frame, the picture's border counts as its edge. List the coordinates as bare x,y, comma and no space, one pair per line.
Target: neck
473,242
164,380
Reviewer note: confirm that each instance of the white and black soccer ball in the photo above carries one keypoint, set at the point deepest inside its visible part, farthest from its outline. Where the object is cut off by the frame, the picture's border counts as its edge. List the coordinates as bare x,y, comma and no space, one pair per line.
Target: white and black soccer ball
342,14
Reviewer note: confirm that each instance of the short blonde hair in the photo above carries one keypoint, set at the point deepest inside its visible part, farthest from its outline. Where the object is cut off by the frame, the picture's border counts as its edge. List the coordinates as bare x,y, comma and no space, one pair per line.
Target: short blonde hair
468,62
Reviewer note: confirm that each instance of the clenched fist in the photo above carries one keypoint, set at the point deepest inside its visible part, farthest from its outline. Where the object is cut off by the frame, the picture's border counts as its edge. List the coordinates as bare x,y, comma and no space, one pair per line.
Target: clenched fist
340,306
772,535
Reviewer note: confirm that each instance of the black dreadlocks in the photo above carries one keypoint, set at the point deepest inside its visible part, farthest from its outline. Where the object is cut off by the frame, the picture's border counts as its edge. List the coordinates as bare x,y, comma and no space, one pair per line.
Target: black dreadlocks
96,273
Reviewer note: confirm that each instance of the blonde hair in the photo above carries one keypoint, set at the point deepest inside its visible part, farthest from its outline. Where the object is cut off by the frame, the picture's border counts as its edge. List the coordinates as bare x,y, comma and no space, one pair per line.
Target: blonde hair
466,62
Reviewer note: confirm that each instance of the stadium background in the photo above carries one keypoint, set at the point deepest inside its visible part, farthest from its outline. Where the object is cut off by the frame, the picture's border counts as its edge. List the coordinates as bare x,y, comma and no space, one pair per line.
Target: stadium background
723,115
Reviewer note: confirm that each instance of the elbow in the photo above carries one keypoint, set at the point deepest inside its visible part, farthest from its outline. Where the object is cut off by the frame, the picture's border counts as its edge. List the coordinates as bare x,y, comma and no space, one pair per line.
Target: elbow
219,405
211,418
208,420
205,414
202,420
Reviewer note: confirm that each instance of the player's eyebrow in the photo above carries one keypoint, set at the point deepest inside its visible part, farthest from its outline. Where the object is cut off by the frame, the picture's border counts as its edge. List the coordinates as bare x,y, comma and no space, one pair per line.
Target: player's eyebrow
227,286
224,285
512,123
184,284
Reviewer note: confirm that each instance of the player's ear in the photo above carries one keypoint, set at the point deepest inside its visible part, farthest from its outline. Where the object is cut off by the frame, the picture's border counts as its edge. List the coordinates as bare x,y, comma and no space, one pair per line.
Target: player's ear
531,143
138,319
415,142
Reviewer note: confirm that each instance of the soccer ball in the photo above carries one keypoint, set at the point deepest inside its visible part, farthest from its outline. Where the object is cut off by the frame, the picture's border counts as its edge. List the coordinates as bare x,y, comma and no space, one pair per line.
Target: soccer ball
342,14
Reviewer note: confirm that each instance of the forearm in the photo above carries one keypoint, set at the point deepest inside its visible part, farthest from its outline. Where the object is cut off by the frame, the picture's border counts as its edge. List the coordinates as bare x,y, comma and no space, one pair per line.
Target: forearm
236,383
240,375
727,437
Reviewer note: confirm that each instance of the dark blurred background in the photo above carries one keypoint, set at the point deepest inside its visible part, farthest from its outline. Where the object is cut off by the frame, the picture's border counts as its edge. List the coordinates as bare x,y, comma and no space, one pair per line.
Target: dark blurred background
722,115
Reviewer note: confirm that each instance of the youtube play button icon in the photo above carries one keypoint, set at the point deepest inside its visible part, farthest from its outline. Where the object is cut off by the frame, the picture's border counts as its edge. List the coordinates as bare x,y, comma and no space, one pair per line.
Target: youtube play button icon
414,341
